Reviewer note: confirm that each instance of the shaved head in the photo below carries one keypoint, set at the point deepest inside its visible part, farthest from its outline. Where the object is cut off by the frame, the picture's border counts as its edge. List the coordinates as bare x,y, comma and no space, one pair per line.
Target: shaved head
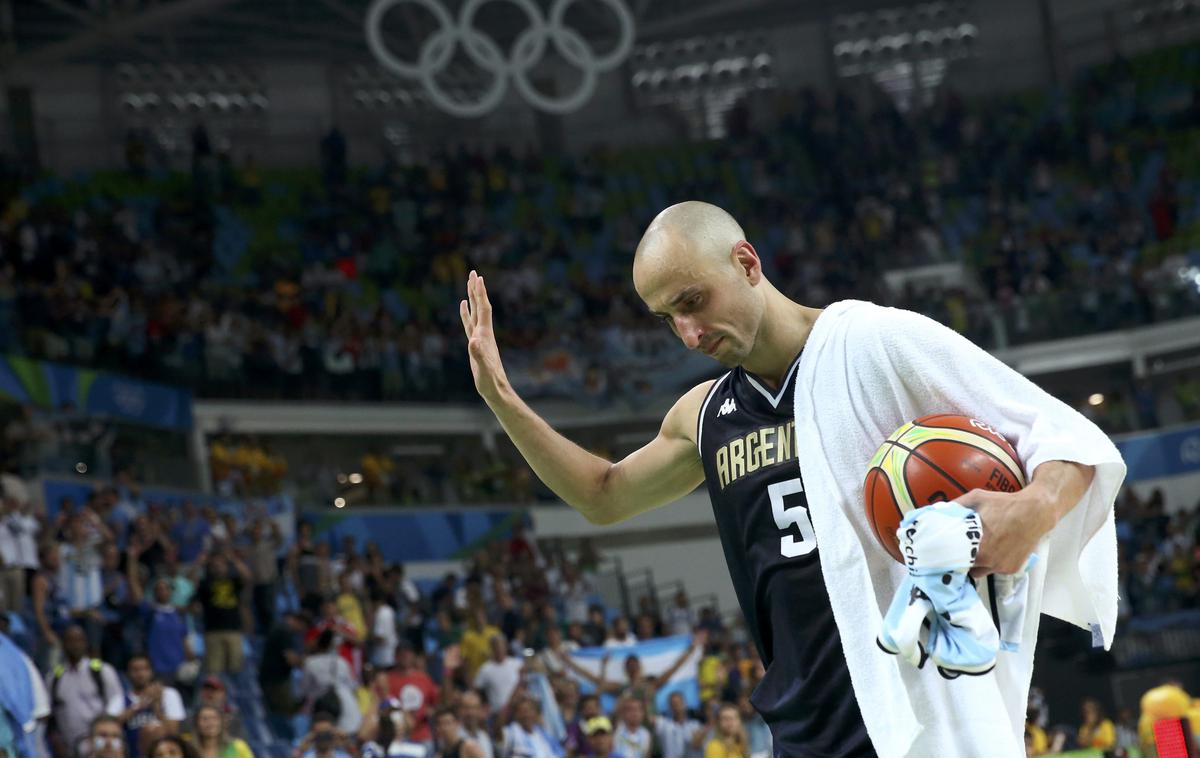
691,229
695,270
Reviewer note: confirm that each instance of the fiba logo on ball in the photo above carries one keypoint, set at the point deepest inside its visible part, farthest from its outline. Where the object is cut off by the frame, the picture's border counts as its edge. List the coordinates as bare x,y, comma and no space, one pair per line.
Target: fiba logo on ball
528,50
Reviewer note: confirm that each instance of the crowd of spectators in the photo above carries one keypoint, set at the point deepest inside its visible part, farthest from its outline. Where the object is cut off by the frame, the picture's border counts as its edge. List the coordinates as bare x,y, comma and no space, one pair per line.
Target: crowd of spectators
1071,212
186,629
155,629
1159,555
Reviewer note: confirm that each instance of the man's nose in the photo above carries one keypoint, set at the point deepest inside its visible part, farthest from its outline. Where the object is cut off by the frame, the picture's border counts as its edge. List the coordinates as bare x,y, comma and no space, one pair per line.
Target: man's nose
690,333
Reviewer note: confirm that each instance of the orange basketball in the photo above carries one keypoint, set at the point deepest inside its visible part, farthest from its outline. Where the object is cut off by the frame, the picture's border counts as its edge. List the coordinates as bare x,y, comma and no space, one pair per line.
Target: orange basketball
931,460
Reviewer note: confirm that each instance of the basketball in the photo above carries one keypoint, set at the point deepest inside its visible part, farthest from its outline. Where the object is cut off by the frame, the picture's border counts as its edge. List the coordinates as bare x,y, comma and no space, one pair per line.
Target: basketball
931,460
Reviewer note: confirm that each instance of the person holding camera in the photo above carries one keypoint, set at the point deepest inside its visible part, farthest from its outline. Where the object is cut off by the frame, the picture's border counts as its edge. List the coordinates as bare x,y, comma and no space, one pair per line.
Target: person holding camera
325,740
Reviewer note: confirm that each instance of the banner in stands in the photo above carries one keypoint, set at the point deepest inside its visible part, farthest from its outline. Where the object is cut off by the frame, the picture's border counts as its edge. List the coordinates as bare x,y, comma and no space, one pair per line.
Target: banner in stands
1155,455
54,385
411,535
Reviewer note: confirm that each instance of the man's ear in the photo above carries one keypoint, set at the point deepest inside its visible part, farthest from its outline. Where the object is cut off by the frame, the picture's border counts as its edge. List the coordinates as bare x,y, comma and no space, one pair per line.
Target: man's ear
745,257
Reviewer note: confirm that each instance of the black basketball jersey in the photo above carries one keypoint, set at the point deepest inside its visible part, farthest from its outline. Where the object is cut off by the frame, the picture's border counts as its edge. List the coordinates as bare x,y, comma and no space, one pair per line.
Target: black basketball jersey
747,442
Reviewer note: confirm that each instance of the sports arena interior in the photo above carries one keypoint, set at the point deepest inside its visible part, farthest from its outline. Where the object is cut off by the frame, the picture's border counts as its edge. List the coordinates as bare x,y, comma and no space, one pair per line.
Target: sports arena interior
245,463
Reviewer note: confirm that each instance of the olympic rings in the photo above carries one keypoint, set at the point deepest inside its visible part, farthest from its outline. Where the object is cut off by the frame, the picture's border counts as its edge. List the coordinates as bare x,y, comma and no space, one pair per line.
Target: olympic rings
436,52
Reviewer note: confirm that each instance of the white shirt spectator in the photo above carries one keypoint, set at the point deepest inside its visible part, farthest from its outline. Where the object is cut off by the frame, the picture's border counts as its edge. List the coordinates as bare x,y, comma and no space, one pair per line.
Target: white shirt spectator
499,680
8,546
634,743
519,743
329,670
75,700
80,578
675,739
480,738
25,529
575,600
680,620
629,639
383,651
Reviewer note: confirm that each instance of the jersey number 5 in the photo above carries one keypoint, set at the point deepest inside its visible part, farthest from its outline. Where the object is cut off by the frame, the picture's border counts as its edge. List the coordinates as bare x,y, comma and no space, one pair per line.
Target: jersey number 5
796,516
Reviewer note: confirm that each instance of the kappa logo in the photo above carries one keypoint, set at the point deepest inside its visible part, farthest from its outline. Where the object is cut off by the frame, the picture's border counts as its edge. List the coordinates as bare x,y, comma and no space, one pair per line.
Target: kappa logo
727,407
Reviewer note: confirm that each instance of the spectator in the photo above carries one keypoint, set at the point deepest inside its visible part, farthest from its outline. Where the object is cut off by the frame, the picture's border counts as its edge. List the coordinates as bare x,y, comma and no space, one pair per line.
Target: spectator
1097,730
631,736
499,676
264,564
172,746
190,533
80,575
758,734
449,739
147,705
620,635
213,694
79,690
577,743
49,606
595,631
409,683
12,573
165,628
105,739
220,594
390,735
477,642
329,686
211,738
474,722
638,684
729,740
384,632
680,619
324,740
282,654
525,737
599,732
677,735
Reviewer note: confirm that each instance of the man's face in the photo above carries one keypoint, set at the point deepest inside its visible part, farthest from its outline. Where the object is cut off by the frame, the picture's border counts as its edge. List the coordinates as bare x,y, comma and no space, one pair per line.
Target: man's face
706,300
140,673
472,708
75,643
678,707
107,740
590,708
601,742
162,592
632,713
447,730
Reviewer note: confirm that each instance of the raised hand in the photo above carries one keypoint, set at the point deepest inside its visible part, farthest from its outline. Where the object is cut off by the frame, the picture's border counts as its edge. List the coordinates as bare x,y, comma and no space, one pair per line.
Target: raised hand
476,313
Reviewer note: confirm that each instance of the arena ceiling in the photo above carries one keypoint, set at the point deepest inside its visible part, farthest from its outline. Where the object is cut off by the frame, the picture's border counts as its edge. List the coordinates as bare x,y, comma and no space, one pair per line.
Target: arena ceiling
36,33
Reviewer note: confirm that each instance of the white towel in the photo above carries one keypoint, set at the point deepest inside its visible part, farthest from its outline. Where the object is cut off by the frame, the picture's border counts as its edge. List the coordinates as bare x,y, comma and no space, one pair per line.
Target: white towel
865,371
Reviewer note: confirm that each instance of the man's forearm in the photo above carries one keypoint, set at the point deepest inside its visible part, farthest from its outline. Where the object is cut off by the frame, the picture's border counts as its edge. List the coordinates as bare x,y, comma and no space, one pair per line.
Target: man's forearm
1060,485
574,474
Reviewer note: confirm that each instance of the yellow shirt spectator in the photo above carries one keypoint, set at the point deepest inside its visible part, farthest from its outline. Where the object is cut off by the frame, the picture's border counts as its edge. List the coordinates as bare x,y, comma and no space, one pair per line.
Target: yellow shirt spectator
1101,736
476,647
722,749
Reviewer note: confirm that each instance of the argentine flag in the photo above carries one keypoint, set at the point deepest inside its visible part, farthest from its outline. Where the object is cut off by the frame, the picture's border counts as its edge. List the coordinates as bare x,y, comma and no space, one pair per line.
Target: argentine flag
656,656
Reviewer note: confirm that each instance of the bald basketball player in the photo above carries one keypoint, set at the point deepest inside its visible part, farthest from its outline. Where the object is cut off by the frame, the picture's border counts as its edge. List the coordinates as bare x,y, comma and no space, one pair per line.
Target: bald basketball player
695,270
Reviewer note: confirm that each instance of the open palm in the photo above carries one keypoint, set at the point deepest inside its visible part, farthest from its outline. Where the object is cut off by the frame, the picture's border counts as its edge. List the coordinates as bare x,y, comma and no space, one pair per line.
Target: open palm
476,313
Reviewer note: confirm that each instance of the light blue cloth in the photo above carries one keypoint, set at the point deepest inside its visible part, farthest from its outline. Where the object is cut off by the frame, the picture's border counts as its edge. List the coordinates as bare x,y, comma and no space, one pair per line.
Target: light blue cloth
936,613
16,694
